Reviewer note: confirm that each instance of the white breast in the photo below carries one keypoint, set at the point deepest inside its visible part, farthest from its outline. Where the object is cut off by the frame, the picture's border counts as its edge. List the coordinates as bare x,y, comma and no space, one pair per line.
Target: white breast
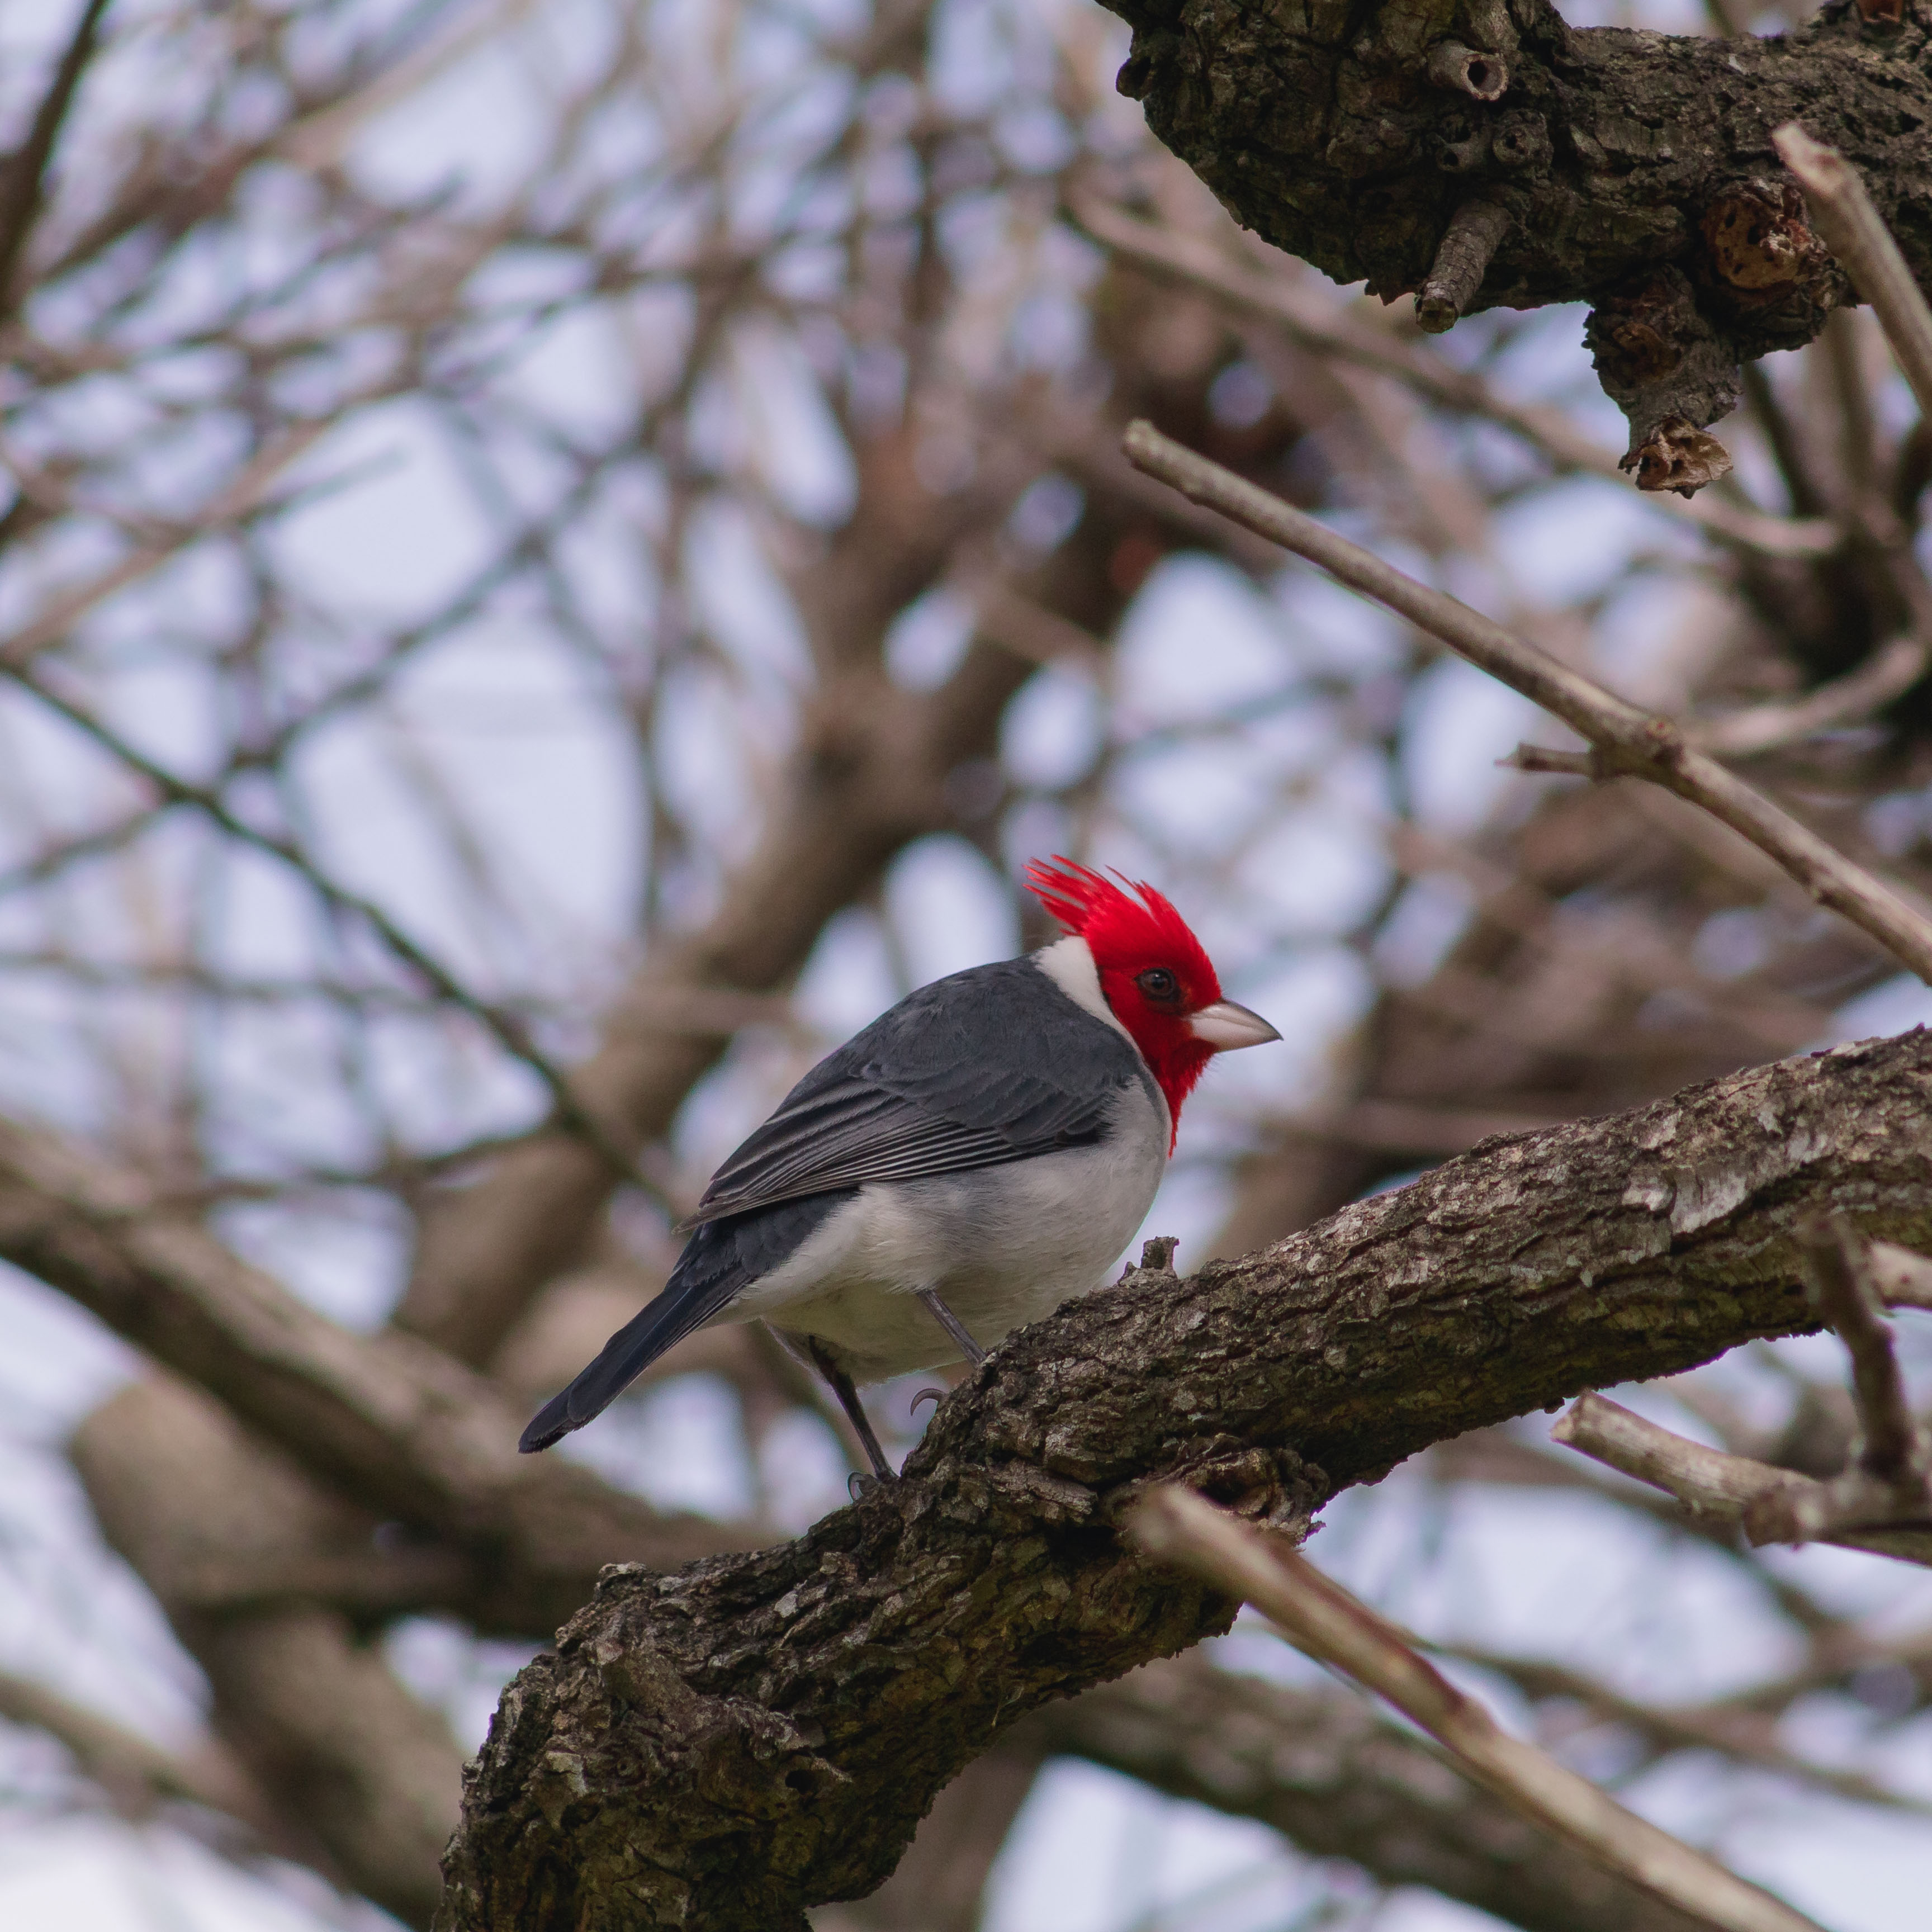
1002,1245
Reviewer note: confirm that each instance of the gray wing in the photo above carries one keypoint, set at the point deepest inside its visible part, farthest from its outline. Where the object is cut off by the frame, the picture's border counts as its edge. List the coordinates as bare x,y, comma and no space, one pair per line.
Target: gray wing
992,1065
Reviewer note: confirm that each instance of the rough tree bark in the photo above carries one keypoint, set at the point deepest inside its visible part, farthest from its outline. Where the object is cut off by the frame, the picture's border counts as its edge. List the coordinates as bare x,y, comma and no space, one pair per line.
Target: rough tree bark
723,1747
1484,154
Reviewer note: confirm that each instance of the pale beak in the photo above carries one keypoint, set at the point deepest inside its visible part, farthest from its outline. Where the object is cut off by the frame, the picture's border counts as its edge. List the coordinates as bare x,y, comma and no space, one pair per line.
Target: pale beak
1225,1026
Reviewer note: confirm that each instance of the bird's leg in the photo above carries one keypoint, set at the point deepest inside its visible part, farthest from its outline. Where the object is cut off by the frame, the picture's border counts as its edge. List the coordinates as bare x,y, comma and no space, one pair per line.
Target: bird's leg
953,1326
840,1383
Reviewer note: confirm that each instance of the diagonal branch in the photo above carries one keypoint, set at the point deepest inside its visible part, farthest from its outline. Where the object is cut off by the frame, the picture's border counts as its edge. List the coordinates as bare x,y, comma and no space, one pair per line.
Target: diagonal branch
136,1775
1625,741
1856,234
761,1732
1889,672
1339,1782
1319,1617
1326,328
23,179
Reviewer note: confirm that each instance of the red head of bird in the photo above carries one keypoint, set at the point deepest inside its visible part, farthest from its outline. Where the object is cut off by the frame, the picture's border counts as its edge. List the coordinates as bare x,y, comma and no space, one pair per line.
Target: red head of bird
1155,975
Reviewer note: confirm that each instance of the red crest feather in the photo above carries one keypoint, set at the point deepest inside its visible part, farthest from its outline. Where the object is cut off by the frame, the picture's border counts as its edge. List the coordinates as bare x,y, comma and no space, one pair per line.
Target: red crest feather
1123,924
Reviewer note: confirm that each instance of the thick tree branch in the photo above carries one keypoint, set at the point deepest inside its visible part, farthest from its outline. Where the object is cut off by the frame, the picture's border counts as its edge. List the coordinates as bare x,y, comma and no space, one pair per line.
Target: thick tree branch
1637,169
1327,328
941,1883
723,1747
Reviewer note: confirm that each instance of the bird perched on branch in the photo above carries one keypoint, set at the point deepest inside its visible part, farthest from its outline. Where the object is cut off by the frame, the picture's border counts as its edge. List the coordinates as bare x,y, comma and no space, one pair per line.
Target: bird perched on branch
975,1156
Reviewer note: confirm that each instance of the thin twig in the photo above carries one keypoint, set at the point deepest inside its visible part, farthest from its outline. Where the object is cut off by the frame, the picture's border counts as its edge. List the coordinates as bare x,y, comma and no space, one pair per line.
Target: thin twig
1626,741
1772,1505
1707,1482
506,1027
1318,1616
24,176
1748,1736
1892,1446
244,498
1842,212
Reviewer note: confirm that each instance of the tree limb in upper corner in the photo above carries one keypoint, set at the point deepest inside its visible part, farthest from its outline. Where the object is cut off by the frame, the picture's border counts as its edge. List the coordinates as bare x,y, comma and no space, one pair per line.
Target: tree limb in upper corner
1489,154
725,1746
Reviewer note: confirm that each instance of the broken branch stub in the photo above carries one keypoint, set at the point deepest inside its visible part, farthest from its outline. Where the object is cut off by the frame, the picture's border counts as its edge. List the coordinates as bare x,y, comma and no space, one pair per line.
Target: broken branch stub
1471,240
1663,364
1482,76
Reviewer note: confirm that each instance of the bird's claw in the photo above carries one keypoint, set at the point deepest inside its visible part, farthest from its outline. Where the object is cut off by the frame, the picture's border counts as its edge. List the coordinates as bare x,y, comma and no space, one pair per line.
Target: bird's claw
932,1395
859,1485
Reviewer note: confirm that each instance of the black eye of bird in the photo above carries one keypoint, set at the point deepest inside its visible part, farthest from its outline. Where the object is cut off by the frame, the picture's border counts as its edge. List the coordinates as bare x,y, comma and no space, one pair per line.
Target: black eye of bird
1158,984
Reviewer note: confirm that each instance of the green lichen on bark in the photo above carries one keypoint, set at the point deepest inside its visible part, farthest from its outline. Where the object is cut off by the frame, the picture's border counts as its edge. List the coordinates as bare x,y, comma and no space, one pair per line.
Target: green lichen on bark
723,1747
1615,154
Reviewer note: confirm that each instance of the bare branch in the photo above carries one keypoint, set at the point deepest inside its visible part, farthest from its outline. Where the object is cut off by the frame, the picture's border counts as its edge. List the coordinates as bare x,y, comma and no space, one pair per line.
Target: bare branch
1857,234
1892,1449
1708,1482
1746,1737
507,1028
24,174
1340,1782
1903,1278
363,1777
1772,1505
1888,672
1318,1616
135,1773
1625,740
1325,329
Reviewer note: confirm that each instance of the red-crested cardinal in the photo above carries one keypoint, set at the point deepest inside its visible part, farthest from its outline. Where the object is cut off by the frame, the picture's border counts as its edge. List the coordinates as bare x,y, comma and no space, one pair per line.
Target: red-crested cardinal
975,1157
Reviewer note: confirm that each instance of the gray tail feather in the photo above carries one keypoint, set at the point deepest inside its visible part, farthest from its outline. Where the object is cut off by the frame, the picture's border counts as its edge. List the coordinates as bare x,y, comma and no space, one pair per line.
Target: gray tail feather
641,1340
722,1258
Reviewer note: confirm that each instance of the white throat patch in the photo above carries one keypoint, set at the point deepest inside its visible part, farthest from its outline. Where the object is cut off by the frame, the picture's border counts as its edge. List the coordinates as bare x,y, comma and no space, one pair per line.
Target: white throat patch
1069,964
